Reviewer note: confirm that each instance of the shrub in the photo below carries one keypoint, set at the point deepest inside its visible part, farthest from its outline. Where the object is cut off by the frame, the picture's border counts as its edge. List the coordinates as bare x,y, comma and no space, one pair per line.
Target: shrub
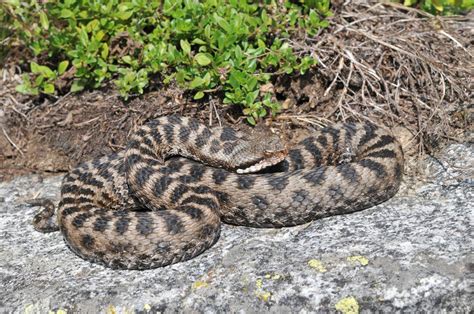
231,47
444,7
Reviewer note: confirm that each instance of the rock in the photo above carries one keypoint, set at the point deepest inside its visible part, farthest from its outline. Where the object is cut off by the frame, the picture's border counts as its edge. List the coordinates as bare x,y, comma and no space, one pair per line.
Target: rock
412,253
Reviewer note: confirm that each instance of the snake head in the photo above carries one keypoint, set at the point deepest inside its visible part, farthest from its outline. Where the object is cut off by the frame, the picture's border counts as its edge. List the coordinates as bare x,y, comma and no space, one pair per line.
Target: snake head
262,152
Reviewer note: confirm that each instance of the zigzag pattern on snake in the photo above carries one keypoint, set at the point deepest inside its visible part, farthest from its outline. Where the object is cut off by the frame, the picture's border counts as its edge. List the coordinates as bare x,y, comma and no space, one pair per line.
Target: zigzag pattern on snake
147,207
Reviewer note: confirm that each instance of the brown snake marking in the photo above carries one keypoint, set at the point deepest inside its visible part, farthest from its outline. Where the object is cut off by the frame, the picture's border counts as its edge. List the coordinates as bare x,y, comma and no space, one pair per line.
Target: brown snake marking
141,209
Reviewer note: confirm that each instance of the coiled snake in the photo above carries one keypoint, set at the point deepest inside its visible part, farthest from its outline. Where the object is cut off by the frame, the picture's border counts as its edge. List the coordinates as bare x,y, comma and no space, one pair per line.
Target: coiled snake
142,208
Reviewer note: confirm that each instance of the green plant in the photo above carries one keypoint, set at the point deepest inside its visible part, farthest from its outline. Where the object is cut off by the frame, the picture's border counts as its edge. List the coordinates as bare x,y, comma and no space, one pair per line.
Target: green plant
229,47
444,7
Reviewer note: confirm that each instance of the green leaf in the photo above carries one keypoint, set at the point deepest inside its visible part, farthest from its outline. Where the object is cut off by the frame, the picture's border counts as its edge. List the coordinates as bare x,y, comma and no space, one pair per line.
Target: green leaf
185,46
105,51
62,67
26,89
202,58
44,20
251,120
196,82
198,41
48,88
84,37
207,79
77,86
124,15
199,95
41,69
66,13
34,67
222,23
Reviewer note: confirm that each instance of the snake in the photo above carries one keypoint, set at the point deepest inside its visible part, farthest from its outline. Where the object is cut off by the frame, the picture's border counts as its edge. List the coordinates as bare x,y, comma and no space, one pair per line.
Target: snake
163,198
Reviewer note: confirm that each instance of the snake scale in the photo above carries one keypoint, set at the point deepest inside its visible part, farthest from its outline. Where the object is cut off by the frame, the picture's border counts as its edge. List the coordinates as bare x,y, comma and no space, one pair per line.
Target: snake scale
163,198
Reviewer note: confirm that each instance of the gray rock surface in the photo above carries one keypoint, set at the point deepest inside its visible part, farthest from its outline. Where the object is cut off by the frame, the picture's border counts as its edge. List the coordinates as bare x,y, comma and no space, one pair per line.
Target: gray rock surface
414,252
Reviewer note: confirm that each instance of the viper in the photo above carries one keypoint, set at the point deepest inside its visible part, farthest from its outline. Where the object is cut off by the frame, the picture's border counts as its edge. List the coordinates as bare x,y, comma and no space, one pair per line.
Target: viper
162,200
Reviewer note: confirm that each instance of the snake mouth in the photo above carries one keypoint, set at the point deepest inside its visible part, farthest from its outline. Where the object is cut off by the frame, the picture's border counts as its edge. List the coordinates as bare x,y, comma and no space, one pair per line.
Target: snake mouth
269,159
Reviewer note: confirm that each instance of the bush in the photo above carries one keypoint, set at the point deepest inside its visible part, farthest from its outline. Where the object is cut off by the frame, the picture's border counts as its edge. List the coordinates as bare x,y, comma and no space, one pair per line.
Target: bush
231,47
444,7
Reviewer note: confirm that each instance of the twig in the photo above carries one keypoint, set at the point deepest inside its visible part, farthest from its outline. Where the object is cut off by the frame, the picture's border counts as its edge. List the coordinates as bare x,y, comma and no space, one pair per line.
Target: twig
11,142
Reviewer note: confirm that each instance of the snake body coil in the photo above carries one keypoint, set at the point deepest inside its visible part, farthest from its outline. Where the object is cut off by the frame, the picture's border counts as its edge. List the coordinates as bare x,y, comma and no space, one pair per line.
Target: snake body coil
143,208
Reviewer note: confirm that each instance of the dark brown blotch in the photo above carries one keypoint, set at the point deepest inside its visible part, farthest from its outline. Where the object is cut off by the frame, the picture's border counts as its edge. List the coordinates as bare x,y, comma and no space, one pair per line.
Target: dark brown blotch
278,182
376,167
219,175
174,119
142,175
260,201
312,149
178,192
228,148
201,200
316,176
228,134
70,210
161,185
87,241
68,188
169,133
193,211
299,195
245,182
296,159
336,192
101,223
348,172
184,133
144,223
215,146
334,133
383,141
322,140
85,191
83,199
80,219
369,134
193,124
174,225
197,171
121,225
203,138
384,153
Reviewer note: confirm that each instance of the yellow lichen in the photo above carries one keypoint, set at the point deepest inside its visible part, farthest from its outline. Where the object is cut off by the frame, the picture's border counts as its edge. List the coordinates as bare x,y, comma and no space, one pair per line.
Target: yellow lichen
147,307
260,293
200,284
264,296
317,265
61,311
362,260
348,305
273,276
111,310
30,308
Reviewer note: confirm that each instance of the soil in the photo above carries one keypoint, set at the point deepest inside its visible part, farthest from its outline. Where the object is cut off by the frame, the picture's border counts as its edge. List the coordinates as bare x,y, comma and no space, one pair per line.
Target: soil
395,66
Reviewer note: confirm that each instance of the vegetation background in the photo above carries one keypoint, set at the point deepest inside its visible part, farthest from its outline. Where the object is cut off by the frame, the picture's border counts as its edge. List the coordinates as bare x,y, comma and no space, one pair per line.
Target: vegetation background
288,63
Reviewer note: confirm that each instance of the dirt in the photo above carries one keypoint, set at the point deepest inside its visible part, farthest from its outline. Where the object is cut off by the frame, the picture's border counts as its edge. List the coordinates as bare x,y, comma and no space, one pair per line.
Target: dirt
394,66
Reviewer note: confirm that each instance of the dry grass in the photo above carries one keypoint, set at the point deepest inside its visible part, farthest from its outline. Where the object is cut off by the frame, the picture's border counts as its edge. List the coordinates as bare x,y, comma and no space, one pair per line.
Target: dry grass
387,63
